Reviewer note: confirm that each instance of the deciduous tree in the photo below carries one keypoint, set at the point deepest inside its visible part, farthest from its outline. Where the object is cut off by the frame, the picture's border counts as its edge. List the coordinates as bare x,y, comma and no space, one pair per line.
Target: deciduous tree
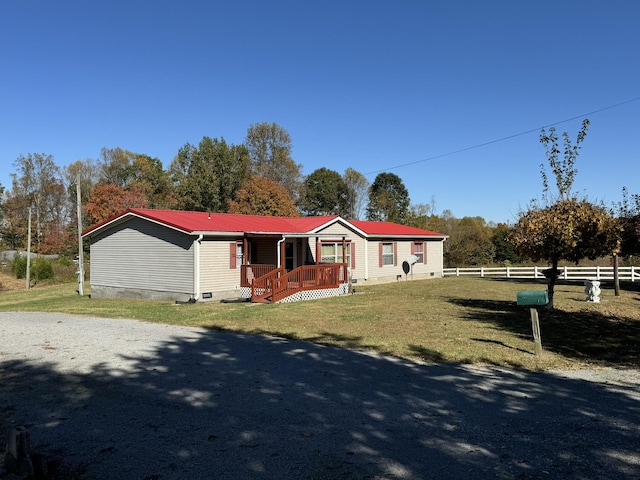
629,216
269,147
388,199
564,169
357,193
469,242
566,227
261,196
569,229
325,193
108,200
148,175
115,166
504,252
38,180
206,178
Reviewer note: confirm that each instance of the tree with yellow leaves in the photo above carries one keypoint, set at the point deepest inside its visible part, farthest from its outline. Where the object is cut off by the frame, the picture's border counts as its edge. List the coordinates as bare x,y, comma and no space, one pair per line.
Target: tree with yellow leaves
569,229
261,196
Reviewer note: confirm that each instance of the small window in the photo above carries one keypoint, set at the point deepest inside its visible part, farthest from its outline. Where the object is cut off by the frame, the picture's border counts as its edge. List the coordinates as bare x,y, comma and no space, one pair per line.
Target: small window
237,254
240,253
418,251
387,254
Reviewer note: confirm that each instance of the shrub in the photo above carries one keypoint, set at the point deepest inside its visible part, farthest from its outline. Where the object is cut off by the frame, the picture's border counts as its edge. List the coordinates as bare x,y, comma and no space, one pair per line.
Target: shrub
40,268
19,266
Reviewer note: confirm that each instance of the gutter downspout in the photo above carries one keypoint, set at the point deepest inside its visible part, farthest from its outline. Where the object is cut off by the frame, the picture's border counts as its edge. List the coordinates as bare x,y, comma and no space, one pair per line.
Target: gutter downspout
196,267
279,244
366,258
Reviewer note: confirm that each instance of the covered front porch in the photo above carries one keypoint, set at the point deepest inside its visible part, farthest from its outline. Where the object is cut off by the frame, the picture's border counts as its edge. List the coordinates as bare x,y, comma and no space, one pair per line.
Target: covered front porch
286,268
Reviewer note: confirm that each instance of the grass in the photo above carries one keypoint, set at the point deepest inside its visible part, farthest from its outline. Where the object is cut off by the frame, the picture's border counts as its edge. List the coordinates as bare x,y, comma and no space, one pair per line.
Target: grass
462,320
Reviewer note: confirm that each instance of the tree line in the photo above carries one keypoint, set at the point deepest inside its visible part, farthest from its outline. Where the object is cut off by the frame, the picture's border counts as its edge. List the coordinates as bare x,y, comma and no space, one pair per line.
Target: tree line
256,177
260,177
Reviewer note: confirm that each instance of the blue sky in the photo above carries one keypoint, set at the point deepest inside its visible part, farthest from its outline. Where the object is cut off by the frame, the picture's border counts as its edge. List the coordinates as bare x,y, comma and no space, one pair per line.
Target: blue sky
404,86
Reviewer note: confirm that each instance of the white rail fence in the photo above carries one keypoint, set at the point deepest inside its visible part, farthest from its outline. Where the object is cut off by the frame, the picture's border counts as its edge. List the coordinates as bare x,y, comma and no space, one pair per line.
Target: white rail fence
566,273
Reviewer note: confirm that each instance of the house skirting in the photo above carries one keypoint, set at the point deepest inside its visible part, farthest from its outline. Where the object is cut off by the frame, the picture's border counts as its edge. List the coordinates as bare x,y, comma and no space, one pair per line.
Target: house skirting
98,291
245,292
316,294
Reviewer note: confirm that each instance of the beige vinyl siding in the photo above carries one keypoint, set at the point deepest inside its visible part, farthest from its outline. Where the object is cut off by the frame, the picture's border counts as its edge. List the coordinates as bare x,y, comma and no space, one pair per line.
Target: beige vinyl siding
143,256
433,257
338,229
216,274
357,242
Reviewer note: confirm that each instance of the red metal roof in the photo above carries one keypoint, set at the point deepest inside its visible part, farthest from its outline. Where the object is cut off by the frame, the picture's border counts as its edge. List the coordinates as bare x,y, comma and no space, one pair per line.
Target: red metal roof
203,222
391,229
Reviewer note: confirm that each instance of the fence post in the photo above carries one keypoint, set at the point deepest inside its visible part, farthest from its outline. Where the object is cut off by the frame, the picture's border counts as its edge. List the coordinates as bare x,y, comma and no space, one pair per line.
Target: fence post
598,272
508,273
457,271
481,271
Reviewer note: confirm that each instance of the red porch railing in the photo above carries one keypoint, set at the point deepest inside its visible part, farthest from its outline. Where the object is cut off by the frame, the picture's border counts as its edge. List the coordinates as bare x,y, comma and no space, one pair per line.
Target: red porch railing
276,285
251,271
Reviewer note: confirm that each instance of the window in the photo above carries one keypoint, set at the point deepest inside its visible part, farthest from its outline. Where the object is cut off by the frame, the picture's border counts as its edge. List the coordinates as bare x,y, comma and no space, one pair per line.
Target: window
387,254
237,254
331,252
418,251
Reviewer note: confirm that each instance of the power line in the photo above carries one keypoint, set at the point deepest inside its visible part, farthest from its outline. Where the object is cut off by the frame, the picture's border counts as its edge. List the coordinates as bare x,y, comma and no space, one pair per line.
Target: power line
435,157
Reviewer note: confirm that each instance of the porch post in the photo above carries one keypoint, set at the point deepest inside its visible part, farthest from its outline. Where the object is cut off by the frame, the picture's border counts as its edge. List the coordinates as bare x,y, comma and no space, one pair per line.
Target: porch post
344,250
245,250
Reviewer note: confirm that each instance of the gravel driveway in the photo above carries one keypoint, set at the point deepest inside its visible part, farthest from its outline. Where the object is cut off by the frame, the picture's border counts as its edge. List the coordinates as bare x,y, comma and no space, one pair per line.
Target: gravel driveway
131,400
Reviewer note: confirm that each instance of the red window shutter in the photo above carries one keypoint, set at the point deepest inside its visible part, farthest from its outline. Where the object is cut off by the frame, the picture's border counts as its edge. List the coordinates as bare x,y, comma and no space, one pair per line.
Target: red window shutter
380,254
353,255
395,254
318,252
233,255
424,252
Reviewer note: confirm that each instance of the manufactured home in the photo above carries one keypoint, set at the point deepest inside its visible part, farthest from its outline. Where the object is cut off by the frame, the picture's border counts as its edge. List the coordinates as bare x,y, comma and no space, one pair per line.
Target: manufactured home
199,256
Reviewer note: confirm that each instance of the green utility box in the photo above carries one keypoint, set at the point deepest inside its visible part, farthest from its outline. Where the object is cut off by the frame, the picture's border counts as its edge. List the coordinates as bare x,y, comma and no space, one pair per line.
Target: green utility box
532,298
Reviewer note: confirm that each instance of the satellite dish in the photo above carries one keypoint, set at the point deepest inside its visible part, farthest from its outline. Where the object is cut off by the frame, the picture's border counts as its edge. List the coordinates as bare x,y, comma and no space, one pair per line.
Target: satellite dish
408,263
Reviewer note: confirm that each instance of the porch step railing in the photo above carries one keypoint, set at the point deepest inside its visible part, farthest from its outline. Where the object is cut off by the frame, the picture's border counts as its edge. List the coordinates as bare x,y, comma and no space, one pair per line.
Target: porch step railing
251,271
277,284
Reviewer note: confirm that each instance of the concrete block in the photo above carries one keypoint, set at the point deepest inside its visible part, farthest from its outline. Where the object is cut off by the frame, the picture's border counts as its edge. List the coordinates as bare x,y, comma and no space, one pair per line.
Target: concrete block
17,459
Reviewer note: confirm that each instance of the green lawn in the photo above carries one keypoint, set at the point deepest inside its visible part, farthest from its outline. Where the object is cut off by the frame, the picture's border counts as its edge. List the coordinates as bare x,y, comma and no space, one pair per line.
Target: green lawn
468,320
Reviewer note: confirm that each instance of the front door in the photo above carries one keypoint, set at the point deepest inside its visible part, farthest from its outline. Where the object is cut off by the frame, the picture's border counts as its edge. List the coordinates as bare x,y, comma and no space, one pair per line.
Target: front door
289,256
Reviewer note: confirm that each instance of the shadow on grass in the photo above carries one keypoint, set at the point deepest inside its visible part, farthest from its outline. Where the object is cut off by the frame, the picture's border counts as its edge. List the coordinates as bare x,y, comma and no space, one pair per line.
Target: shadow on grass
427,355
502,344
586,336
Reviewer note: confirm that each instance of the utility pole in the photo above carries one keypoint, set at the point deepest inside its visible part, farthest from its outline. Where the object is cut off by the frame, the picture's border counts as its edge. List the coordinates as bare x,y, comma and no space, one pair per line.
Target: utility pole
80,256
28,273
